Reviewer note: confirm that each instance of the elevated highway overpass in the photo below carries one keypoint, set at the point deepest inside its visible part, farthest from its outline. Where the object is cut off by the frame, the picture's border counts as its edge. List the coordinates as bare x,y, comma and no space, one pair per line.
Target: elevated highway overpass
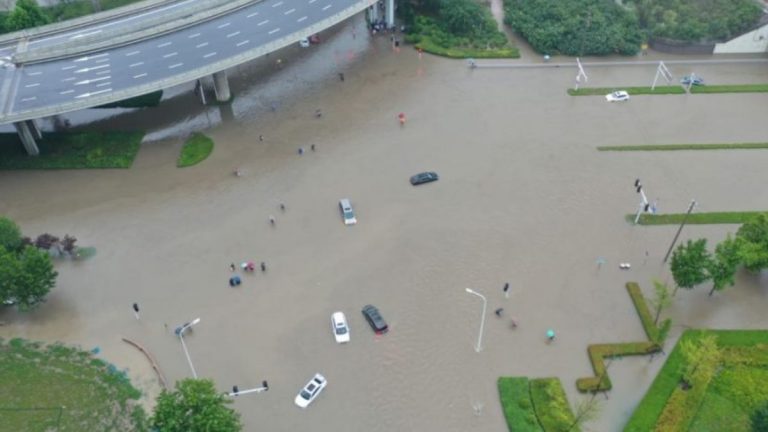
62,74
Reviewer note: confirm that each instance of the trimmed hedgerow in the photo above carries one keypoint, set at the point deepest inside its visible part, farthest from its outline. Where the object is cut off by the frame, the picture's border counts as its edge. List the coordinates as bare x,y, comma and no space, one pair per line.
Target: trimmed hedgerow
597,355
655,334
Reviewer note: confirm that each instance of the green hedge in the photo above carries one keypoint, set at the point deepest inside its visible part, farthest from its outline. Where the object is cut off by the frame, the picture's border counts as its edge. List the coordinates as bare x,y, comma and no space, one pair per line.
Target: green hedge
646,318
72,150
695,218
599,352
597,355
648,412
426,44
676,89
676,147
596,91
517,405
551,405
196,149
732,88
428,34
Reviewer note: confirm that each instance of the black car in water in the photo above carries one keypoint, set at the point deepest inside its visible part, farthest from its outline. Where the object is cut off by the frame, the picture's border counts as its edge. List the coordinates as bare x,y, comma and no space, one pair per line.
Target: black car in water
424,177
377,323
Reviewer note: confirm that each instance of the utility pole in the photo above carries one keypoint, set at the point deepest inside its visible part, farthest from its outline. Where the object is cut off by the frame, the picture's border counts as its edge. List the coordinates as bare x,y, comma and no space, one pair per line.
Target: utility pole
682,224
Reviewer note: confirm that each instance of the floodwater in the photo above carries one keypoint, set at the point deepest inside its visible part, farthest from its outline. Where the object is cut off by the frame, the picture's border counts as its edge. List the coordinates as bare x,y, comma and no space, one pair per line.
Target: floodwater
523,197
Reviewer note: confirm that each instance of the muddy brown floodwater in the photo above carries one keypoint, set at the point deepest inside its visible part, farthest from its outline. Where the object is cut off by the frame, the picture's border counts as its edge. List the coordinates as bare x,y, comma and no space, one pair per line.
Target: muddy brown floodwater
523,197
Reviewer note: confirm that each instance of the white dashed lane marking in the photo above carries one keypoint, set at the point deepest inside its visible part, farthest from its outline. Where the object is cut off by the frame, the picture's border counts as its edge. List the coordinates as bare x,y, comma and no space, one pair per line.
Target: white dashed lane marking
132,53
252,15
263,22
289,11
135,64
192,36
204,44
223,25
242,43
164,44
66,92
326,7
274,31
139,76
32,85
233,34
174,66
169,55
301,19
211,54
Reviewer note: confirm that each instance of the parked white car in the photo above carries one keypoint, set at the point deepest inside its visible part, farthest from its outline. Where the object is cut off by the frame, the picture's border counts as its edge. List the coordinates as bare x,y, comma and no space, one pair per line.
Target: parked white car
346,212
310,391
340,327
617,96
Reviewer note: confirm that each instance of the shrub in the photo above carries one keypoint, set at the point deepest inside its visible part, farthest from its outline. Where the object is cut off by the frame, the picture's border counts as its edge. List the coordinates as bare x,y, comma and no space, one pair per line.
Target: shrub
517,405
597,355
586,27
654,333
760,419
693,21
551,405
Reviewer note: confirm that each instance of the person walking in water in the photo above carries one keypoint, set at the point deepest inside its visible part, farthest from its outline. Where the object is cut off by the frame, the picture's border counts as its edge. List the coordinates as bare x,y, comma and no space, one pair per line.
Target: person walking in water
272,220
506,290
263,266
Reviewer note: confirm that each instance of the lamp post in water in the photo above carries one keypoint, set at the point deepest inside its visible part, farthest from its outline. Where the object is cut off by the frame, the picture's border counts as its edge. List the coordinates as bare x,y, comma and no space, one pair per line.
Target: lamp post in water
180,331
479,346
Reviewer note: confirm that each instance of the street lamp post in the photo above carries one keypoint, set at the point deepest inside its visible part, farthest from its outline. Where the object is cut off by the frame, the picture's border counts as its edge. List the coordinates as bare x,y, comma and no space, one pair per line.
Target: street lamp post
479,346
180,331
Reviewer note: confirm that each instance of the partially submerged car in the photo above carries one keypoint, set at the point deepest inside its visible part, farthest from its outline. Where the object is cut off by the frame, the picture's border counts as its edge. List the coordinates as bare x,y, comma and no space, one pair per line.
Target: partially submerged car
375,320
347,213
617,96
340,327
692,80
310,391
425,177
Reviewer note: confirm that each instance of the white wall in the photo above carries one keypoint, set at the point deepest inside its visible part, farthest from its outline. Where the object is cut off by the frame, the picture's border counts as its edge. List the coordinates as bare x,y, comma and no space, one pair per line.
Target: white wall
755,41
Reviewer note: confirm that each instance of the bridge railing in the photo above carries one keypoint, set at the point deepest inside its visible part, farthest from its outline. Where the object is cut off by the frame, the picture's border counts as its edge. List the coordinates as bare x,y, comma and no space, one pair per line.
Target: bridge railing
203,10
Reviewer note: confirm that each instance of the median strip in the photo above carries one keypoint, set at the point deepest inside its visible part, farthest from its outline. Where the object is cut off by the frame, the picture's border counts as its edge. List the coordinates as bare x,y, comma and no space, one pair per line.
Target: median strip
678,147
696,218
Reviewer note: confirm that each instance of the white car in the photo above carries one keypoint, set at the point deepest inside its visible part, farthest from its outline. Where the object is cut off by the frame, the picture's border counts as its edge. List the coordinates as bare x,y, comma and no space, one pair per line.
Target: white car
310,391
346,212
304,43
617,96
340,327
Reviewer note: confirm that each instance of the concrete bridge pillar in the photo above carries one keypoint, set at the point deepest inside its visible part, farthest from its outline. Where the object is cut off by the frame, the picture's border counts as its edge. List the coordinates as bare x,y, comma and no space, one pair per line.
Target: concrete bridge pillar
373,13
390,11
221,86
27,138
35,129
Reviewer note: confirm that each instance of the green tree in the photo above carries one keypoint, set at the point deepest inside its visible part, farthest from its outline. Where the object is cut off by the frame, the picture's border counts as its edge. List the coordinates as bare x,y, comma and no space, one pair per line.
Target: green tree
194,406
584,27
753,243
701,358
661,298
689,264
461,17
26,278
10,235
722,267
26,14
760,419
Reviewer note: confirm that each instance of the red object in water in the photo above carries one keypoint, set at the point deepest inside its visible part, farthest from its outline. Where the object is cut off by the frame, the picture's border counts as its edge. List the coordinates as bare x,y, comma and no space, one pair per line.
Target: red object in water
314,39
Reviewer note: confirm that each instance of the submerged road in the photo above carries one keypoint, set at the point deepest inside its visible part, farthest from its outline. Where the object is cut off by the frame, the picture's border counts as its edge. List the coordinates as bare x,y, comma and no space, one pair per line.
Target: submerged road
58,86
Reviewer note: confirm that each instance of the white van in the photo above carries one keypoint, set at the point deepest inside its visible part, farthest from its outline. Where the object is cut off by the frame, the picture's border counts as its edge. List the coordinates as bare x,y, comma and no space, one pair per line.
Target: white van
346,212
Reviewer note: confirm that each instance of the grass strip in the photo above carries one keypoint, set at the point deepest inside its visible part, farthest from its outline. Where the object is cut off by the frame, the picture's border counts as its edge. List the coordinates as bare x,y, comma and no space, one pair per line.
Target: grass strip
551,405
695,218
426,44
517,405
196,149
54,387
144,101
677,147
651,407
72,150
595,91
731,88
676,89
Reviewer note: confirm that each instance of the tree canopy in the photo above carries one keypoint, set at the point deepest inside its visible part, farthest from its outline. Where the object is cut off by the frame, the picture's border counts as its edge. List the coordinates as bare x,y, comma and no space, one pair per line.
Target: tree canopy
194,406
694,21
26,14
689,264
583,27
752,237
26,277
722,267
10,235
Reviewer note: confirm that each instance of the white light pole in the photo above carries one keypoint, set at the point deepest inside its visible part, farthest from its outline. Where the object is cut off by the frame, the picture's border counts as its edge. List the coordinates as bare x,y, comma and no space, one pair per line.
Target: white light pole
479,346
181,331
